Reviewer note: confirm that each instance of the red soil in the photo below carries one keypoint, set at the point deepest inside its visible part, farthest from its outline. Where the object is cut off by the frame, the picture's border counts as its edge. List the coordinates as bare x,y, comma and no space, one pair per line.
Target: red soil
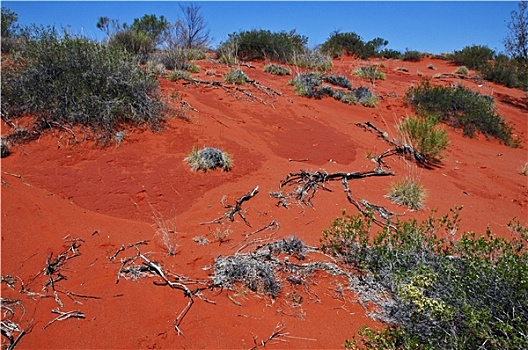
52,193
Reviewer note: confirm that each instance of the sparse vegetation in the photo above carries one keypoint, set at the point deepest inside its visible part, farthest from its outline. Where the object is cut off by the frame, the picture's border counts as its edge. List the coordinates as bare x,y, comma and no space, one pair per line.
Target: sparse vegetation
179,75
209,158
67,81
369,72
237,77
461,108
314,60
473,57
391,54
523,169
436,291
462,70
425,136
276,69
408,192
412,56
351,44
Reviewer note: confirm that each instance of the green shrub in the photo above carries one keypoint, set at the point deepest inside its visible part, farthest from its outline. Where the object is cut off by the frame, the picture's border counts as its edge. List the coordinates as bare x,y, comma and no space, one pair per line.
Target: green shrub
236,77
339,80
412,56
462,70
506,72
390,53
474,57
351,44
73,81
263,44
209,158
425,136
276,69
461,108
178,59
369,72
407,192
438,292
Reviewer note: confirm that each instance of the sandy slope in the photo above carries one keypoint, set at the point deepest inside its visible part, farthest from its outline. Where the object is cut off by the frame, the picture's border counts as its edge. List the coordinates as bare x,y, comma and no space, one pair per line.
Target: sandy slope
52,194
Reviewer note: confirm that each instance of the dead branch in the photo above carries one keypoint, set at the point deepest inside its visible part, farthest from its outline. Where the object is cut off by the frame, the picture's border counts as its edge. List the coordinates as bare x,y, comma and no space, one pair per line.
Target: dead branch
277,333
274,224
399,147
235,209
8,328
112,258
64,316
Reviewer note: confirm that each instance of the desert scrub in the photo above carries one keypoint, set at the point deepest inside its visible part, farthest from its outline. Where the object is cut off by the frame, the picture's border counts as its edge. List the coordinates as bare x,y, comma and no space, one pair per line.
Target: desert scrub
72,81
236,77
339,80
462,70
407,192
179,75
369,72
313,60
462,108
425,136
209,158
412,56
474,56
276,69
441,292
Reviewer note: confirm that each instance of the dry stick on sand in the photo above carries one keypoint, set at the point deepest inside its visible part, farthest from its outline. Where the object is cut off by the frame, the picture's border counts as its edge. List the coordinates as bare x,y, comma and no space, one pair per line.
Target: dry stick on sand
63,316
399,147
235,209
8,328
277,333
274,224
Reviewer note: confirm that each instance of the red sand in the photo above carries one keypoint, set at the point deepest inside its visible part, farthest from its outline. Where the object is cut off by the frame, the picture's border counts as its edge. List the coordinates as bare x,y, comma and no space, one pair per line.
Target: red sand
103,197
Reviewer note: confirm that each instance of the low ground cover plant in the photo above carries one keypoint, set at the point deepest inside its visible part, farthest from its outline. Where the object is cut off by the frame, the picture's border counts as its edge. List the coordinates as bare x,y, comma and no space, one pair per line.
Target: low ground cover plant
462,108
237,77
438,291
310,84
209,158
66,81
276,69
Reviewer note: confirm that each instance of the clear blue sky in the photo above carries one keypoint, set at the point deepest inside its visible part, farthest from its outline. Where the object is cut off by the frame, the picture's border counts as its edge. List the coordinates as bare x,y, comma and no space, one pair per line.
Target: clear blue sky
430,26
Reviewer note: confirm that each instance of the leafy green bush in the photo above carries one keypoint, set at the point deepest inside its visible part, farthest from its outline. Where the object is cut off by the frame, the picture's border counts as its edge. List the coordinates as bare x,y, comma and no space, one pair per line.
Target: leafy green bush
474,57
461,108
276,69
351,44
407,192
390,53
438,292
209,158
425,136
412,56
369,72
506,72
264,44
73,81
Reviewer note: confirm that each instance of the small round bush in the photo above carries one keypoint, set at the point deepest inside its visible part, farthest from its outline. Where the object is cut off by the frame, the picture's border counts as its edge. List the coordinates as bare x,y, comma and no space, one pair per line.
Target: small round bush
412,56
179,74
369,72
425,136
209,158
462,70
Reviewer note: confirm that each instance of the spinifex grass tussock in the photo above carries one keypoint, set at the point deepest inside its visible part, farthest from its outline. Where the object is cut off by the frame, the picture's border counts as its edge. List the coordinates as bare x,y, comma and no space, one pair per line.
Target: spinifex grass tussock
369,72
67,81
440,292
276,69
209,158
408,192
237,77
424,134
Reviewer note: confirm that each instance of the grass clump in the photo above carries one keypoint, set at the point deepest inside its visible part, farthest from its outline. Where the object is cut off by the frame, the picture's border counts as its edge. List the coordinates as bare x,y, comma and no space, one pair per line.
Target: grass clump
369,72
425,136
409,193
439,292
412,56
462,70
236,77
72,81
276,69
461,108
179,75
313,60
209,158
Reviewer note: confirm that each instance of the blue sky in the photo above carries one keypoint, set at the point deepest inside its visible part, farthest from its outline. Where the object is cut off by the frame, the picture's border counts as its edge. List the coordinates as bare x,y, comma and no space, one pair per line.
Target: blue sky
429,26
